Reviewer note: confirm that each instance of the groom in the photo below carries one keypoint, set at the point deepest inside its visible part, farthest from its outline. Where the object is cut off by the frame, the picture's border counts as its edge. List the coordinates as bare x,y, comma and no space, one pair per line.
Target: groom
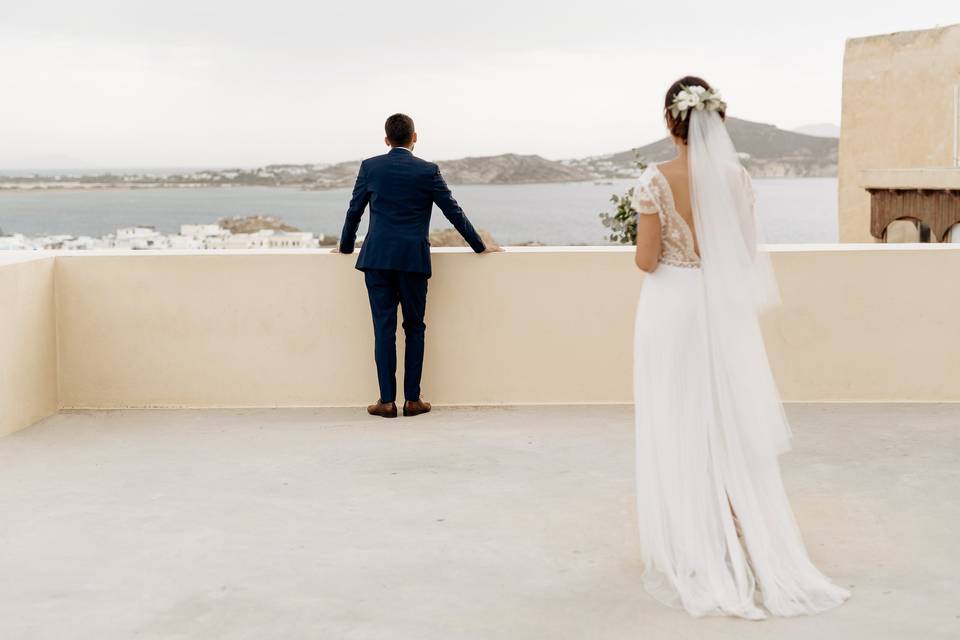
401,190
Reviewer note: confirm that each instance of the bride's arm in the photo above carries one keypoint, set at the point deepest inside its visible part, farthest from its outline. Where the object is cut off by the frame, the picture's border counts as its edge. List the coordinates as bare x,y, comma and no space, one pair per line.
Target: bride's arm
648,242
648,229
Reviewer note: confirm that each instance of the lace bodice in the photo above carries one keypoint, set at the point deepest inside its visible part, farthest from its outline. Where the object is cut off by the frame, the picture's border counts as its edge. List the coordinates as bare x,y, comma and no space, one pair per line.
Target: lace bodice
653,196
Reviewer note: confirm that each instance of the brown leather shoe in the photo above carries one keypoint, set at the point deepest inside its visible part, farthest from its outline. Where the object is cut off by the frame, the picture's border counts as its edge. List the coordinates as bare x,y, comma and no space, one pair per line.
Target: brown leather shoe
415,407
383,409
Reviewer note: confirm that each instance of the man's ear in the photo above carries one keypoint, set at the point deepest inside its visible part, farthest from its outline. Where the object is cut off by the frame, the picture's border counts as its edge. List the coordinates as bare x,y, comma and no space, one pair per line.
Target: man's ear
386,141
414,139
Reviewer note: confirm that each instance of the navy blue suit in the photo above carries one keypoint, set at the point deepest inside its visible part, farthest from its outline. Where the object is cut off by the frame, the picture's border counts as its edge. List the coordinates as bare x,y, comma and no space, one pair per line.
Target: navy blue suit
401,190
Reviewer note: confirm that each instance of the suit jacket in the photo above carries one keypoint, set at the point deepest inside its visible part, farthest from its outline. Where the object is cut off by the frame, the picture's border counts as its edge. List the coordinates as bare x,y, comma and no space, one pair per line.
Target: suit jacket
401,190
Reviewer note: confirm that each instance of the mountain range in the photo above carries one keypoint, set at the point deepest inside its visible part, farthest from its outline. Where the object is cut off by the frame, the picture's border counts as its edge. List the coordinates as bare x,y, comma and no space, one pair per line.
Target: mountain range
765,150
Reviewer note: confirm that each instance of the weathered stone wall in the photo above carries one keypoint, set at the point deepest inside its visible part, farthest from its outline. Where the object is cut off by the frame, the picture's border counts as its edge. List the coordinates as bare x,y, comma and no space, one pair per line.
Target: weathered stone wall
898,112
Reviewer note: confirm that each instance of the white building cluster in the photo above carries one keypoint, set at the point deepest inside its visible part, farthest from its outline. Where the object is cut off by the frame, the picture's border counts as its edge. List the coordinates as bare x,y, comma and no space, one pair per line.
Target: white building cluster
191,236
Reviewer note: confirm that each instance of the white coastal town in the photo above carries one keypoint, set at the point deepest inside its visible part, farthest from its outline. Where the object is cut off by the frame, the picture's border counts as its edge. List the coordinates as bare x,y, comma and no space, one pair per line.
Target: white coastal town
190,237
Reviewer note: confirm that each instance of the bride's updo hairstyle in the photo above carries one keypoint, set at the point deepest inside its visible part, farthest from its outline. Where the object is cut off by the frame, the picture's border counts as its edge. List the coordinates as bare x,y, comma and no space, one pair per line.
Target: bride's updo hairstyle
680,127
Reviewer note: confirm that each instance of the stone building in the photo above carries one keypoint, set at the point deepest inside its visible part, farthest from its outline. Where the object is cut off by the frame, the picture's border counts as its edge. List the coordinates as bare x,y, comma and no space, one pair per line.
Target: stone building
899,125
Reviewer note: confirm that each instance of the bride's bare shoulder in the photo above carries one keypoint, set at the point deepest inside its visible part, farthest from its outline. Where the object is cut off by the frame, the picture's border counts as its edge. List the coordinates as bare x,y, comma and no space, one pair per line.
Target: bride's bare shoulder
674,172
672,168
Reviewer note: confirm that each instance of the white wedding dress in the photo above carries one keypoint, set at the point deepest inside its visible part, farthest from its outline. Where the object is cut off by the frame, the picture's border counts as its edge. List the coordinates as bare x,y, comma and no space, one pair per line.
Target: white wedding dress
717,532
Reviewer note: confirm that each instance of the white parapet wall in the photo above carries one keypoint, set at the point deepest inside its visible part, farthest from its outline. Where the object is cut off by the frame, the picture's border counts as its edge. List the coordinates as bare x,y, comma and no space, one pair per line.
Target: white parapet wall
871,323
531,326
28,345
294,329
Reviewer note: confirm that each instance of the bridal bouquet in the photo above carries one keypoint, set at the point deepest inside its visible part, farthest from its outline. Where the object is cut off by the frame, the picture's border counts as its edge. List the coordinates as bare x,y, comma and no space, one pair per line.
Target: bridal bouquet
623,221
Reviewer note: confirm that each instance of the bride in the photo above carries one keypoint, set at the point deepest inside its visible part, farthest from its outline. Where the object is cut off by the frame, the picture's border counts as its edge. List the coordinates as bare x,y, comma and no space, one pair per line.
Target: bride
717,532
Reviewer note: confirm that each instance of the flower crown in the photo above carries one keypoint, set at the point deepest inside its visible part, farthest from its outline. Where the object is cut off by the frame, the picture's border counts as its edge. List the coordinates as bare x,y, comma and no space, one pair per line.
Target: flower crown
696,97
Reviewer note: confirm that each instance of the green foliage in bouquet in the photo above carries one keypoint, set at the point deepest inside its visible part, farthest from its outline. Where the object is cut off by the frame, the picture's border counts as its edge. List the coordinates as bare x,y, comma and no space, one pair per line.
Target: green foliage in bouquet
622,223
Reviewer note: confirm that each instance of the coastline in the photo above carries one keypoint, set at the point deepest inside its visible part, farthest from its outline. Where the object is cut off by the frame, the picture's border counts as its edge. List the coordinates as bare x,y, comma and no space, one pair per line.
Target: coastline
291,187
113,187
99,187
559,213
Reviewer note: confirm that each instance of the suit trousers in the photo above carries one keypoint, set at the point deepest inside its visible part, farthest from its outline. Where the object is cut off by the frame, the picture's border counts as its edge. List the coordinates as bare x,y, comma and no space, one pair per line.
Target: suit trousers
387,289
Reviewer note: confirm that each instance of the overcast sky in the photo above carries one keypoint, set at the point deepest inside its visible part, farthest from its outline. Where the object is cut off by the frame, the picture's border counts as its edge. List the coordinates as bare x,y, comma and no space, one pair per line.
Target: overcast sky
124,83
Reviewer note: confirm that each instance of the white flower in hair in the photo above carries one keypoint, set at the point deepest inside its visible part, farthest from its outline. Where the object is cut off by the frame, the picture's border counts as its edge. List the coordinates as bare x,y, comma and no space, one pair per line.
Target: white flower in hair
696,97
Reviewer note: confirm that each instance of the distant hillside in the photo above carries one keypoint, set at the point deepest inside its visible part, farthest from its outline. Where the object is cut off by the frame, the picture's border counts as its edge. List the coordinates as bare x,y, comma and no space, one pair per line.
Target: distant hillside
822,129
765,150
508,168
252,224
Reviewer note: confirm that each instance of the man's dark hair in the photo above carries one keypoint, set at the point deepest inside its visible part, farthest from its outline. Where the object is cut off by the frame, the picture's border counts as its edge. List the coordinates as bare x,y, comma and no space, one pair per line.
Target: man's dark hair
399,128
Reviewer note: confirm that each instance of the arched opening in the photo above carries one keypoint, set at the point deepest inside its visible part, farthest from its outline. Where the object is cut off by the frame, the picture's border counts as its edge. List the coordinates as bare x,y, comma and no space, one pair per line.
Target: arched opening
908,229
953,234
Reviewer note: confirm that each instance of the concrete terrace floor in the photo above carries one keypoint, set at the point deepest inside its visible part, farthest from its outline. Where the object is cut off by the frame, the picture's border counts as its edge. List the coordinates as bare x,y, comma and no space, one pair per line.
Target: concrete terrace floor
510,523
